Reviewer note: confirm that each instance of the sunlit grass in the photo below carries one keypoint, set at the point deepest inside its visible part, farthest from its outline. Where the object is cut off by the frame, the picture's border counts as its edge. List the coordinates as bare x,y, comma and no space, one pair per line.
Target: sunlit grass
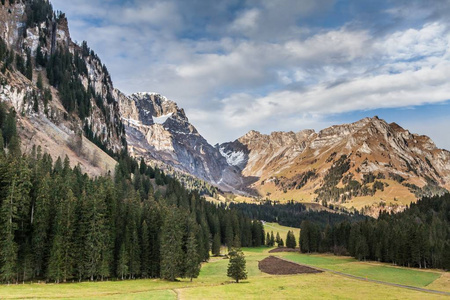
213,282
382,272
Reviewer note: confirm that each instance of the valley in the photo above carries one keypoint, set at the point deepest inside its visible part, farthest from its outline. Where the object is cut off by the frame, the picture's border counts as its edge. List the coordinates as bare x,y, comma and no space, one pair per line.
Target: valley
213,283
107,194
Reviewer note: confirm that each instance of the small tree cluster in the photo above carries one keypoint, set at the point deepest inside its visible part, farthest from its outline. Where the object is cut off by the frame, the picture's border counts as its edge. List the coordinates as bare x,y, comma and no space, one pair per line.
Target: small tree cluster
270,239
290,240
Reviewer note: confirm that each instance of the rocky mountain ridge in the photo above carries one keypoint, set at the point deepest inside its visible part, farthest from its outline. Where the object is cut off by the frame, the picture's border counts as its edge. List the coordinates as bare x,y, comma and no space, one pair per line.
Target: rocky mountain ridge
369,161
159,131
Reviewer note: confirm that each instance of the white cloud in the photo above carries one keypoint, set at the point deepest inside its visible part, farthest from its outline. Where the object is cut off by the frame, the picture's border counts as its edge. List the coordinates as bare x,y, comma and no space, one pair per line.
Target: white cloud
256,67
430,40
247,21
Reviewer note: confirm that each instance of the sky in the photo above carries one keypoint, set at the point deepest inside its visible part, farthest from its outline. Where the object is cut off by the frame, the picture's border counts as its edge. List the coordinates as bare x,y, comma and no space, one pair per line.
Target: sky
278,65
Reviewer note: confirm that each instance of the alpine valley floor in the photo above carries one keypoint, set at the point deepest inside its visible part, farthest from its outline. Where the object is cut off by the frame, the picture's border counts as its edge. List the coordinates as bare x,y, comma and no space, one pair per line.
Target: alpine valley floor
214,284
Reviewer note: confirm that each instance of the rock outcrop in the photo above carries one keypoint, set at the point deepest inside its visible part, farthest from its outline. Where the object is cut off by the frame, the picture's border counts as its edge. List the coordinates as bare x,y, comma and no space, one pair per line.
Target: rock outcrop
160,132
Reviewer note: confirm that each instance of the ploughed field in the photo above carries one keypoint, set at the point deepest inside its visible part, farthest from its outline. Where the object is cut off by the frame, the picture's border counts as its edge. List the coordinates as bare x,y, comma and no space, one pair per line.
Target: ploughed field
214,284
277,266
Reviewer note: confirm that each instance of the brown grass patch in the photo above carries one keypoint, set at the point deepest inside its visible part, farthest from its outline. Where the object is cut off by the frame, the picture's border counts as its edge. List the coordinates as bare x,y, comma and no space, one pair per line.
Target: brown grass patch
275,266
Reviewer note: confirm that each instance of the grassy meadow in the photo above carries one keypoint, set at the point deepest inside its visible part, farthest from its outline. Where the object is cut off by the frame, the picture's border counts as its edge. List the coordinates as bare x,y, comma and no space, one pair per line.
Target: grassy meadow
283,230
214,284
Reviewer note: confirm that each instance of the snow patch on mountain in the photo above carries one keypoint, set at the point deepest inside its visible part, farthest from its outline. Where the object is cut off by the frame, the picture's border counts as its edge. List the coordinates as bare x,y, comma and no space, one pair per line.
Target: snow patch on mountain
162,119
233,158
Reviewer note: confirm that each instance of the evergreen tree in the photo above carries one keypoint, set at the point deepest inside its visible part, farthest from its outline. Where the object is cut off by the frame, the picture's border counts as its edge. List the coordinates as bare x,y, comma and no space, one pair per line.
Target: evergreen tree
122,264
96,240
228,233
20,64
278,239
39,83
216,245
2,145
192,258
290,240
145,253
29,66
236,266
15,188
304,237
9,248
171,242
41,224
61,261
40,57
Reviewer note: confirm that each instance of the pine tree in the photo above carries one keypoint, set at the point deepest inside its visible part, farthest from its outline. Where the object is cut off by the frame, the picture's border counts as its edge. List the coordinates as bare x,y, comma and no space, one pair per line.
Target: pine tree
192,259
9,248
216,245
272,239
236,266
96,240
134,254
228,233
304,237
145,250
278,239
2,145
39,83
290,240
41,224
122,264
29,66
171,242
61,261
156,221
15,177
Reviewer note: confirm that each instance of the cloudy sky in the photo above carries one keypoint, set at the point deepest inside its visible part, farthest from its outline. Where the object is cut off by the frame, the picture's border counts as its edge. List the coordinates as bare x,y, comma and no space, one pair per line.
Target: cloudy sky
271,65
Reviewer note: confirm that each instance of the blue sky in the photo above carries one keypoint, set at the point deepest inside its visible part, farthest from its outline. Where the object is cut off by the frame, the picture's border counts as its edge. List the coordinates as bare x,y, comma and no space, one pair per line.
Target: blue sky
274,65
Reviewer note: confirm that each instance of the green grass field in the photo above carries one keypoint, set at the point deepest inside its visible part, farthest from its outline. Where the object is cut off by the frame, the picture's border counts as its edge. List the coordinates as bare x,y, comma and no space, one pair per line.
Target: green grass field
214,284
370,270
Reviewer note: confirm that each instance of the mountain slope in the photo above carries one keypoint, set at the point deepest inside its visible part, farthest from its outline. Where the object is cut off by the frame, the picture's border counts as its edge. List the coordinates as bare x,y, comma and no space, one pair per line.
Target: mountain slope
159,131
61,91
369,162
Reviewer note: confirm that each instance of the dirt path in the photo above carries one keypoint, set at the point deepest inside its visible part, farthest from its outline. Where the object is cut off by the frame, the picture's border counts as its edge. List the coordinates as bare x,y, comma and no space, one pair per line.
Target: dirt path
377,281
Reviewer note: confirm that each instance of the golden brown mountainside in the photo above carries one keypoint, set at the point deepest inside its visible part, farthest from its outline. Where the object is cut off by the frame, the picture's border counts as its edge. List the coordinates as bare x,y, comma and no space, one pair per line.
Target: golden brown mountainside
367,163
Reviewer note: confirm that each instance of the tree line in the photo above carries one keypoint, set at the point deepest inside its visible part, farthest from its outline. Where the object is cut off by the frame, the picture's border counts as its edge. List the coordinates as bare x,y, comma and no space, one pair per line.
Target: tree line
292,213
418,237
58,224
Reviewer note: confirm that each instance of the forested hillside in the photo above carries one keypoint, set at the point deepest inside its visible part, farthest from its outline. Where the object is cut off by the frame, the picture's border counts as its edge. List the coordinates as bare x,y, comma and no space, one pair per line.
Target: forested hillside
293,213
57,224
418,237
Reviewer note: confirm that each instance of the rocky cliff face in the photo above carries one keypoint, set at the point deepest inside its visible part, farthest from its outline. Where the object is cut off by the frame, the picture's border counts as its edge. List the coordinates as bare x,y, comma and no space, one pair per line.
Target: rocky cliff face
159,131
88,104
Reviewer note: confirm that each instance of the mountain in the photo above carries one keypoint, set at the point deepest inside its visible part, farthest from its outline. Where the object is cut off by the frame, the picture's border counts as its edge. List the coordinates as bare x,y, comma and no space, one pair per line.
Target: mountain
159,131
367,163
62,93
66,104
